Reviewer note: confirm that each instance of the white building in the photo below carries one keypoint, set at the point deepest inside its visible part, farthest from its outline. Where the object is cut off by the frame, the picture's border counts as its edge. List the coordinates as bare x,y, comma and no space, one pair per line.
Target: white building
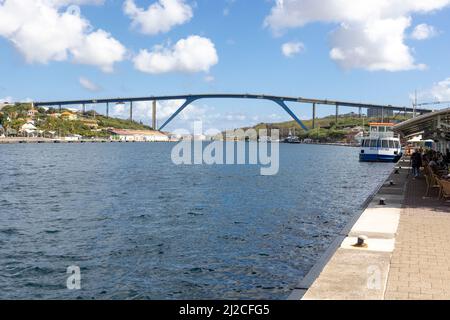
73,137
29,129
138,135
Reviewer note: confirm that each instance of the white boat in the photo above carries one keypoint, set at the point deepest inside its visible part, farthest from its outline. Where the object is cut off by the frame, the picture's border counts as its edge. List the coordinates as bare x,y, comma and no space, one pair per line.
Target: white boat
292,139
382,145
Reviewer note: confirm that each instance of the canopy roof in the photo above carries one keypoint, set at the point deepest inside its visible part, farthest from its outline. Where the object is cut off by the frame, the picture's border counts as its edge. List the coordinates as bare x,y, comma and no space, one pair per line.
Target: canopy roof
381,124
435,125
28,126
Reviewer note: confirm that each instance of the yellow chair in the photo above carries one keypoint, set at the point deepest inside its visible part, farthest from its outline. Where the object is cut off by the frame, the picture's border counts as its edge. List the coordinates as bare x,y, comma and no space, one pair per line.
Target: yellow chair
445,189
432,183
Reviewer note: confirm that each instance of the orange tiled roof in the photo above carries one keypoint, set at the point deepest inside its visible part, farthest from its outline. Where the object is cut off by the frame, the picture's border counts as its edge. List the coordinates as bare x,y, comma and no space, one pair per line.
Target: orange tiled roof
387,124
126,132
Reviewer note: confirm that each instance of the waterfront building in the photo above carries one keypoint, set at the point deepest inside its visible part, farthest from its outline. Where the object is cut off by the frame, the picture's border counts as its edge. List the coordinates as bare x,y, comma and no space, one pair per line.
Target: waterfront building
377,113
55,115
10,132
29,129
4,104
67,115
73,137
434,126
32,113
138,135
92,124
49,134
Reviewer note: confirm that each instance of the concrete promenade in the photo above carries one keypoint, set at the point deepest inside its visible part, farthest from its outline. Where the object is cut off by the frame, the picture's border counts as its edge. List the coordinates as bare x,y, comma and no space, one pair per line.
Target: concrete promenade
47,140
406,256
420,264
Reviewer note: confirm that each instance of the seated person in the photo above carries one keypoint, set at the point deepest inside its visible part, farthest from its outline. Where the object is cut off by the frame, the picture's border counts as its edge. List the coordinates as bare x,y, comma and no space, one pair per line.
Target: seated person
433,165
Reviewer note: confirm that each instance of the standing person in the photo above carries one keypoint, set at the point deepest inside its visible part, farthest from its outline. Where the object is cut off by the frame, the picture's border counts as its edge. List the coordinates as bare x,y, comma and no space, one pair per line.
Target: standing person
416,163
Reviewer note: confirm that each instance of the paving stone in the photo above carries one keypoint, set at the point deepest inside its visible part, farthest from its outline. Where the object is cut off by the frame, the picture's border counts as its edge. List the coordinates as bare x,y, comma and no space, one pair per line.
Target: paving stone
410,250
422,247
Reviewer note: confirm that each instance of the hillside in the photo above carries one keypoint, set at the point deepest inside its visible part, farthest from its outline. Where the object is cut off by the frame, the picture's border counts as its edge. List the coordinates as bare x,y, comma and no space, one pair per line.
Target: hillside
327,130
62,123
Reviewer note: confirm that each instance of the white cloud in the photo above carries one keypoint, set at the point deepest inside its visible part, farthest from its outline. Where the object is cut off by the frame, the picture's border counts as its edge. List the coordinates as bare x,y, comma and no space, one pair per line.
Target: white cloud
142,111
290,49
423,31
160,17
209,78
236,117
75,2
210,117
99,49
378,45
190,55
13,100
89,85
45,30
228,5
231,42
440,91
6,100
370,34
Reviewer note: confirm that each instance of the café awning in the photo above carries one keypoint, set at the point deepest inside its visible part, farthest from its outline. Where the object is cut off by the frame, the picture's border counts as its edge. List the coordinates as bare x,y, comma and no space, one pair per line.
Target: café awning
435,125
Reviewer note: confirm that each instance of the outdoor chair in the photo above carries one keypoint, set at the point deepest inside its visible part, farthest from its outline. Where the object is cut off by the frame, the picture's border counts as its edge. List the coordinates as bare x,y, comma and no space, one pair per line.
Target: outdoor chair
432,183
445,189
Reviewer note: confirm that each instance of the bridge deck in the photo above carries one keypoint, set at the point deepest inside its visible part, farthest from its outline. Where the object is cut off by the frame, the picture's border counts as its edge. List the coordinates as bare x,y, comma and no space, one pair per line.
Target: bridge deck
230,96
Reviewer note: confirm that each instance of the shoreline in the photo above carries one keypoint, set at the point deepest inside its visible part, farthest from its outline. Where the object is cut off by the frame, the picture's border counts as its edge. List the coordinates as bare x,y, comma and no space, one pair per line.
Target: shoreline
332,277
305,283
24,140
48,140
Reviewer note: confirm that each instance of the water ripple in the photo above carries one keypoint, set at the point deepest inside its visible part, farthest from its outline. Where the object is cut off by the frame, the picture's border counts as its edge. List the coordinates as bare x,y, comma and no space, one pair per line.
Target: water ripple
140,227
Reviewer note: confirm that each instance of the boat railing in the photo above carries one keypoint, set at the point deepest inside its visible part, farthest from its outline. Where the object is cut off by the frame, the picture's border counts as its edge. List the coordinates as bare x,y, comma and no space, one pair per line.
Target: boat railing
381,135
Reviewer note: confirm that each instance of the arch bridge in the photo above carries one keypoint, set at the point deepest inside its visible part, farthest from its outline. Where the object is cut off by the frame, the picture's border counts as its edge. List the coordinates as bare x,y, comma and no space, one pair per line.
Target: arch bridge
189,99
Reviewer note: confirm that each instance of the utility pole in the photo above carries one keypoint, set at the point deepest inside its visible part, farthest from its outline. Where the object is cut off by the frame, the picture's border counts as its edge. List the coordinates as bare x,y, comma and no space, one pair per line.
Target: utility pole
415,104
154,115
314,116
337,114
363,124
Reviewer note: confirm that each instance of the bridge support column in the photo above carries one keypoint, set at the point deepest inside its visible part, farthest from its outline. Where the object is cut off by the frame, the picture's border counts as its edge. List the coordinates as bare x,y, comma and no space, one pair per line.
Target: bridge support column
154,115
337,114
187,103
84,108
60,108
131,111
314,116
282,104
107,110
360,112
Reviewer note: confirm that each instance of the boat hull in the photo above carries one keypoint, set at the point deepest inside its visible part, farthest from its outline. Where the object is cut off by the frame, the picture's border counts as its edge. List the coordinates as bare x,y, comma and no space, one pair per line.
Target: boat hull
364,157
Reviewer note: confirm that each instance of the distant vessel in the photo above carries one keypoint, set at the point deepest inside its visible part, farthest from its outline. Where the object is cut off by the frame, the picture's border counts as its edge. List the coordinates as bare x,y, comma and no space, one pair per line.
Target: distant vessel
292,139
381,145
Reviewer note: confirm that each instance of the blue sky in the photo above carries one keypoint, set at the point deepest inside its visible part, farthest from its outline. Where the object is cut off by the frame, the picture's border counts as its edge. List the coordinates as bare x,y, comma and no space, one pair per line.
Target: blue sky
227,46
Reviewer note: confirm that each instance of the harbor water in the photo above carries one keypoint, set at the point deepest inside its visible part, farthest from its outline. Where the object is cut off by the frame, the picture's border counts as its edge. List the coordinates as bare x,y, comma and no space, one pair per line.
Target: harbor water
140,227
